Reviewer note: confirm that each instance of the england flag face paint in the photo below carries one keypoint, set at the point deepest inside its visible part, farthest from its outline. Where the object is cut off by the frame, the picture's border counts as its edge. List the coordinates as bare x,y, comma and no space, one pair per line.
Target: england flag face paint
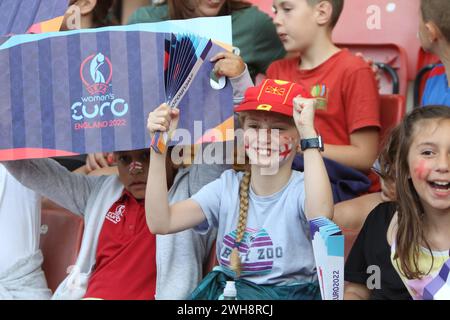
270,140
268,152
285,151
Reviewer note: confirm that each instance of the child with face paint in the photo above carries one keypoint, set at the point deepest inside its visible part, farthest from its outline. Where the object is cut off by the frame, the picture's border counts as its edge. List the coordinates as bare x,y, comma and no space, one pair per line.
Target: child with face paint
261,214
119,257
418,231
21,275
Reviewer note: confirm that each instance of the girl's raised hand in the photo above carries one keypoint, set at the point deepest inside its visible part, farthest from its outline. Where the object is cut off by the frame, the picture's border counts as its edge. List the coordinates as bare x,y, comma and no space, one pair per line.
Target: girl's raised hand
163,118
304,110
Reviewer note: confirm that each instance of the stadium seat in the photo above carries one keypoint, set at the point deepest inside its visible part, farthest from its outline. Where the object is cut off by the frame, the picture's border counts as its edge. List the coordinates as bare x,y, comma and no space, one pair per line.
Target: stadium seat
419,83
382,22
426,58
61,234
375,22
391,59
393,109
425,63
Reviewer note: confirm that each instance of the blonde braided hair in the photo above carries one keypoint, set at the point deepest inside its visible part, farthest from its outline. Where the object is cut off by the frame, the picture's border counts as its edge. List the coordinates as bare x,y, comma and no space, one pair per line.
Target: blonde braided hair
235,260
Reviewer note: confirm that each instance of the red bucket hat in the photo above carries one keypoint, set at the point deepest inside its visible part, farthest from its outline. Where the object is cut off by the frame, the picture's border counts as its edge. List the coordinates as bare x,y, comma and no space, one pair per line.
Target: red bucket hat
272,96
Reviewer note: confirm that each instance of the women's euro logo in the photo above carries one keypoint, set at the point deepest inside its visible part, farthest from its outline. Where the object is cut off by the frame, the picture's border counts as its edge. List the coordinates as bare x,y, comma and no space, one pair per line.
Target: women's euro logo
100,71
96,74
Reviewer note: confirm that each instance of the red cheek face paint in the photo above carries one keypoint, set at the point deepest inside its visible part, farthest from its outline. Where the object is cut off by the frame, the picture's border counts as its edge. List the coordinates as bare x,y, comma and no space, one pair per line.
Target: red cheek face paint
421,171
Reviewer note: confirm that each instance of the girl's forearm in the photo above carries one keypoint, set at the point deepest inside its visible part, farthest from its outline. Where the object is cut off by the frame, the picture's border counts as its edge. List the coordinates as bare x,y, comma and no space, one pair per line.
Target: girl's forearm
319,197
350,156
156,200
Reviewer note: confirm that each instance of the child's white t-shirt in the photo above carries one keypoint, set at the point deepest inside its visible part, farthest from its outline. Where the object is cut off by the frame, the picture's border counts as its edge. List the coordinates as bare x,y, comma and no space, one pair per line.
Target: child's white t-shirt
20,219
276,248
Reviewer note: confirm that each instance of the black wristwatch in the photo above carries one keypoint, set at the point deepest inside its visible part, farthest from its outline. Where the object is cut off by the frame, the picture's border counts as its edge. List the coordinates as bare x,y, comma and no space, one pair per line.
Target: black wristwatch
314,143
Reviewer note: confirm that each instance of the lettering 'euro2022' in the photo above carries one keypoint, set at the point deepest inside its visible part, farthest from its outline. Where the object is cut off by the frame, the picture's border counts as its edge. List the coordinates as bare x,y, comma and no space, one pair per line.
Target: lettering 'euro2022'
96,73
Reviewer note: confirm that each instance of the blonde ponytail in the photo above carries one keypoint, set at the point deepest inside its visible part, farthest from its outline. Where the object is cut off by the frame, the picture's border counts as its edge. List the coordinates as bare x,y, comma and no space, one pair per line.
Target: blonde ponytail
235,260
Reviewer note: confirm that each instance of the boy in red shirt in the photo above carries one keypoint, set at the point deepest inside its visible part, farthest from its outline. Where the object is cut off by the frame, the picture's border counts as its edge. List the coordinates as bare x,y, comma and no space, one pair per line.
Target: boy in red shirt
345,86
348,118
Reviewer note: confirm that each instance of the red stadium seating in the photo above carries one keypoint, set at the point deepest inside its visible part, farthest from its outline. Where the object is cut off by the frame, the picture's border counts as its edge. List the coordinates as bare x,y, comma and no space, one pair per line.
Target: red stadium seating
376,22
381,22
384,30
389,54
393,109
424,65
426,58
61,235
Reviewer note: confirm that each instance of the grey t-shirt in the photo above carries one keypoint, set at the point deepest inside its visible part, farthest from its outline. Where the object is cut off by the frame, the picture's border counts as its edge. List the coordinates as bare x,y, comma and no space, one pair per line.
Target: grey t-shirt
276,248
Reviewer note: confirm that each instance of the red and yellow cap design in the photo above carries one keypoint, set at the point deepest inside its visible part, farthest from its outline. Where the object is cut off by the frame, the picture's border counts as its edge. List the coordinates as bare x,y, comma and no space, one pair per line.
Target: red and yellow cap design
272,96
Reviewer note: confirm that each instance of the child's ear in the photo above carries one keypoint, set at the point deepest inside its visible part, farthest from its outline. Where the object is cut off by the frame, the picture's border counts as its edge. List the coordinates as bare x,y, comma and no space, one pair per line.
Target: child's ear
324,11
433,32
86,6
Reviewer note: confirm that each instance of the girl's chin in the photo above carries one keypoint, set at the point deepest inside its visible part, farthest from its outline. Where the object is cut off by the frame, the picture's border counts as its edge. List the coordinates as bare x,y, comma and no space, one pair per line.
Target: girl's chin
269,164
441,203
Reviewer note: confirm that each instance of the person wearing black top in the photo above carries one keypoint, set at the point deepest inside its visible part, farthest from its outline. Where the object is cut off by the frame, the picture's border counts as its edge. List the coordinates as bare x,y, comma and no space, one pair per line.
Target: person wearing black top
372,249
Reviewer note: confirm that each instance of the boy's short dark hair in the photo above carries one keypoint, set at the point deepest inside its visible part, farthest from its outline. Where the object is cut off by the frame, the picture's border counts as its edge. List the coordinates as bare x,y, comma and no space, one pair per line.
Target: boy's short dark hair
337,5
438,12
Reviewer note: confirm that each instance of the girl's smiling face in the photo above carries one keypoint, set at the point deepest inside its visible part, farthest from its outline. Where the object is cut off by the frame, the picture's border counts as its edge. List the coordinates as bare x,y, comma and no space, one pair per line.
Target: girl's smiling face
429,163
270,139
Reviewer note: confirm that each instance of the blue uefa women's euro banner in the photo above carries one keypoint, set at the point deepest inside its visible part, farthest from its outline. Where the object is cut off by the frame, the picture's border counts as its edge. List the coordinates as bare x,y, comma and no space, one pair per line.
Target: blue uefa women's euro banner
90,91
